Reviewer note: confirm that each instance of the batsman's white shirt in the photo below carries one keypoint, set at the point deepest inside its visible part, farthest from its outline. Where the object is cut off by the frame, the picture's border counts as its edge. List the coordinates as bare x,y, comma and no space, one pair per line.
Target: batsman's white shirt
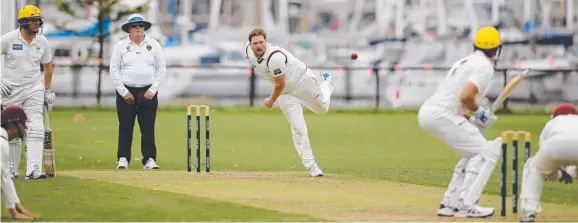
9,195
475,68
21,61
442,113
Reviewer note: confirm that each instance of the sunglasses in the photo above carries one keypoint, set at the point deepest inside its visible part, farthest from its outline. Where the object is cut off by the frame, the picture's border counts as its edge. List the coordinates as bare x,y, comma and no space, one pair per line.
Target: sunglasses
138,25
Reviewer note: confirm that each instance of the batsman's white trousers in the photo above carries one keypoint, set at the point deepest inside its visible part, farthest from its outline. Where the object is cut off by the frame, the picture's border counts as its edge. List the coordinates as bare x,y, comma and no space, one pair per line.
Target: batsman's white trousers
479,156
31,99
455,130
557,151
315,94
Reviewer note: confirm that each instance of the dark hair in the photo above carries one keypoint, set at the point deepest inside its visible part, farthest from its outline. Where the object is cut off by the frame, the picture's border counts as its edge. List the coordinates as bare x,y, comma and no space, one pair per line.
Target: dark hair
257,32
489,52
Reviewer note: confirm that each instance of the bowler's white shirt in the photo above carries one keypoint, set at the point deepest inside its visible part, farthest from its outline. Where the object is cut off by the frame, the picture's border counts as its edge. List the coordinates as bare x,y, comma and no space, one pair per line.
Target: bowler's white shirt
476,68
282,62
21,61
137,65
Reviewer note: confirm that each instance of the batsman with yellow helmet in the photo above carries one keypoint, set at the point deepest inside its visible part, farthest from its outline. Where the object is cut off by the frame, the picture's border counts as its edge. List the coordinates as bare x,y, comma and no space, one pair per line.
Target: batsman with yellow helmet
445,116
22,85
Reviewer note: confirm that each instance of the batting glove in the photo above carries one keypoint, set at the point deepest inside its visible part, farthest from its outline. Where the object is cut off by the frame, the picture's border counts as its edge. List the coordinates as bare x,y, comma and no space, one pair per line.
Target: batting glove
484,118
49,99
5,88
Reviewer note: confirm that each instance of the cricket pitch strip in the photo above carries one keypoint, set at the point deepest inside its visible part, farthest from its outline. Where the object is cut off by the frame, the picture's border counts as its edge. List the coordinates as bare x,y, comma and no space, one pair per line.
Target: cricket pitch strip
332,197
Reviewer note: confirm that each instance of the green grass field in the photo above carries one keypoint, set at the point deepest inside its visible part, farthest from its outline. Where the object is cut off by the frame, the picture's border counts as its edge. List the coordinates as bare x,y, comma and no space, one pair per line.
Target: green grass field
379,167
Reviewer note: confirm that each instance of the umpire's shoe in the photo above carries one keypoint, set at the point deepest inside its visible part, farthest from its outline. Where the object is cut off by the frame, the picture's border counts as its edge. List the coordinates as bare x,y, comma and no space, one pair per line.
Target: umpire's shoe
151,165
35,175
122,163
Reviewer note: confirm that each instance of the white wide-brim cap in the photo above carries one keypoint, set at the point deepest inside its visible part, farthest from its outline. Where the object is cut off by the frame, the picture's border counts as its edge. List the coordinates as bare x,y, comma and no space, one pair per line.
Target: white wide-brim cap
134,18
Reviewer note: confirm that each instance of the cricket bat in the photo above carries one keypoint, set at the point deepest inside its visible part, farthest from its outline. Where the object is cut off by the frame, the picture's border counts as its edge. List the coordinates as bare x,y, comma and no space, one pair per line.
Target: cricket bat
508,89
49,161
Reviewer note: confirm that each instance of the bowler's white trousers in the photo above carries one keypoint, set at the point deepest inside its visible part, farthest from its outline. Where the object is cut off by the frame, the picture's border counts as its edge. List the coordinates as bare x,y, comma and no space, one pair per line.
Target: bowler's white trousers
557,151
479,156
314,93
31,99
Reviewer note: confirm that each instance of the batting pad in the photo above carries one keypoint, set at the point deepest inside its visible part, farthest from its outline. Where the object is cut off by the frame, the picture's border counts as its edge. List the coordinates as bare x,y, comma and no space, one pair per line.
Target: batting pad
478,172
451,196
15,154
34,146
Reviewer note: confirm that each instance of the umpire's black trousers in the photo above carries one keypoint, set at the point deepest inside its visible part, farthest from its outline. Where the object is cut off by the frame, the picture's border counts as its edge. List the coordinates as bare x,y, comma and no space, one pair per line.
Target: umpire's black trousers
146,112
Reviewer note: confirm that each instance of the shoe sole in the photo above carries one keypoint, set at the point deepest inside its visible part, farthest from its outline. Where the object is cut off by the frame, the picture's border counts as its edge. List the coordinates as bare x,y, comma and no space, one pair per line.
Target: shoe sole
153,168
466,216
38,178
445,215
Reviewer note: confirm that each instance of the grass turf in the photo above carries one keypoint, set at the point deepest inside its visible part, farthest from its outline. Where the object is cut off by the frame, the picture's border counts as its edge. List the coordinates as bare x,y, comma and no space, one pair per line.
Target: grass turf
72,199
374,146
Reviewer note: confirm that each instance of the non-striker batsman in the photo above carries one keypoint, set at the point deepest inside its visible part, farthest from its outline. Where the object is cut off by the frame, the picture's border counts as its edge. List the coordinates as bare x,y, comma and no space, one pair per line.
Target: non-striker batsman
443,115
25,50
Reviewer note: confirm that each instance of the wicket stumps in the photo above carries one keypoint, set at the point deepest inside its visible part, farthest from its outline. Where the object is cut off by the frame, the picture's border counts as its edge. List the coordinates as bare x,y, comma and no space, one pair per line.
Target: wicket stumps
503,182
190,138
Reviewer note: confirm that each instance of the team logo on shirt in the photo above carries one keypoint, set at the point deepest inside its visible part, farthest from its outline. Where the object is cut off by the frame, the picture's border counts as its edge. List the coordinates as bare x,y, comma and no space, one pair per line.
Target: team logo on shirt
277,71
38,49
149,47
16,46
127,47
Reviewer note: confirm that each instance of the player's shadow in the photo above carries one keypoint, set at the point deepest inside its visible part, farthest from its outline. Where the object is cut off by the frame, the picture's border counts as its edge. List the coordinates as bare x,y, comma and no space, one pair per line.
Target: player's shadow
11,219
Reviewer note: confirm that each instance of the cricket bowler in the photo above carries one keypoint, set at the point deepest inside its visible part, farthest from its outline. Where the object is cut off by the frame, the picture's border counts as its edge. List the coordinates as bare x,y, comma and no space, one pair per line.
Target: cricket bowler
294,86
557,156
22,85
445,116
13,126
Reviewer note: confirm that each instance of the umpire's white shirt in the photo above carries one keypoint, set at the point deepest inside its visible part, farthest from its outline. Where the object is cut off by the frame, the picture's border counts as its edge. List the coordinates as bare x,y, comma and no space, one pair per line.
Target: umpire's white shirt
137,65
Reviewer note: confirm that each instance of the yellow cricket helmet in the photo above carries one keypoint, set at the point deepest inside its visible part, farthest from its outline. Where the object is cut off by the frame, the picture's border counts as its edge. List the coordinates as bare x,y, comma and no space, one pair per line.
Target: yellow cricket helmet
487,38
29,12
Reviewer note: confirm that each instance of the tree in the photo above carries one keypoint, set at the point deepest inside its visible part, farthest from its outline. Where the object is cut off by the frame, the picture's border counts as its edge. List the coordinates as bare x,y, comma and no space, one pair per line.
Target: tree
108,11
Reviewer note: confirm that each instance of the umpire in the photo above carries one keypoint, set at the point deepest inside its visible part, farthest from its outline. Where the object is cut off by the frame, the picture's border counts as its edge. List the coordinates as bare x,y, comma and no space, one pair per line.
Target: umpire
137,68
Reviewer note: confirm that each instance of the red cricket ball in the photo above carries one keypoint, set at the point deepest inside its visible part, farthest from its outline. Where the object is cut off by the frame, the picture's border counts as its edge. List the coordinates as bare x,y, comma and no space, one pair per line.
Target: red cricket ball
354,56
